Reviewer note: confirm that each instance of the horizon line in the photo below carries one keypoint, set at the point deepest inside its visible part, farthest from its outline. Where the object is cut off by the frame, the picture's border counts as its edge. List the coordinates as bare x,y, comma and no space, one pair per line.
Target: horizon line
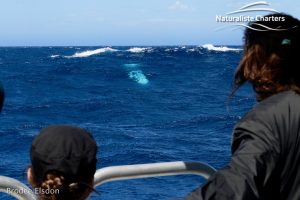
154,45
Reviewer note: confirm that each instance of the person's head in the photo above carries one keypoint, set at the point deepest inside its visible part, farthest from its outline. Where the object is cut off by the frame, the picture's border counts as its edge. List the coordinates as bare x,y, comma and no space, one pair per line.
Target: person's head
63,160
271,60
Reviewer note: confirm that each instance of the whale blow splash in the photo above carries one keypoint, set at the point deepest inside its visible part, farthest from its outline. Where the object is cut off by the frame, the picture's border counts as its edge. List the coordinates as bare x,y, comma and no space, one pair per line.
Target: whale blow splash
138,76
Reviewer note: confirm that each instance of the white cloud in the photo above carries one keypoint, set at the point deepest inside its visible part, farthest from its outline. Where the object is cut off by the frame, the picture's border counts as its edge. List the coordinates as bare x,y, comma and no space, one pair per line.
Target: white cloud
178,5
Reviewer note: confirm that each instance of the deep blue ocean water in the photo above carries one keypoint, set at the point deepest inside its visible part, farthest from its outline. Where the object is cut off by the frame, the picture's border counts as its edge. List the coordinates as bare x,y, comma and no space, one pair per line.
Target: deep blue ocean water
142,104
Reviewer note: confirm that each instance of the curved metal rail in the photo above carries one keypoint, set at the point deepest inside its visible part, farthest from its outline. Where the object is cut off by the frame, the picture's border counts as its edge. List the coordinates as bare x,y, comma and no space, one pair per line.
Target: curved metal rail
16,189
20,191
115,173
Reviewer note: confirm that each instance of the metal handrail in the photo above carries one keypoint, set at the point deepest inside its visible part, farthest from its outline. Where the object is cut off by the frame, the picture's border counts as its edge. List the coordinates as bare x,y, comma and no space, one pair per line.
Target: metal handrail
20,191
16,189
115,173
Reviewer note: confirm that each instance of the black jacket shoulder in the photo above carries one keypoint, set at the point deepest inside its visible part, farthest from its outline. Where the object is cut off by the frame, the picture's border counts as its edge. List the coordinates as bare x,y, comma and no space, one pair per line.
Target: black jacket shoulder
265,154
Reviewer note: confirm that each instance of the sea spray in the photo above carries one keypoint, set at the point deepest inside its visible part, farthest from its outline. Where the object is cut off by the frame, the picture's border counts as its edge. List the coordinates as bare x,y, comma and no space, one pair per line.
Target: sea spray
138,76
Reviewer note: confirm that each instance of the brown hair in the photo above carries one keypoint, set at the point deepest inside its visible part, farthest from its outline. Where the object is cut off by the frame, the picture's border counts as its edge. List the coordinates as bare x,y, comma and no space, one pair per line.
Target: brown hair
56,187
271,60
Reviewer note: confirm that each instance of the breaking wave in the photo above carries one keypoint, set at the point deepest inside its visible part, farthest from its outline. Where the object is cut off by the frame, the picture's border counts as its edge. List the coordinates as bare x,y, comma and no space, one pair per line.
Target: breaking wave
211,47
91,52
139,49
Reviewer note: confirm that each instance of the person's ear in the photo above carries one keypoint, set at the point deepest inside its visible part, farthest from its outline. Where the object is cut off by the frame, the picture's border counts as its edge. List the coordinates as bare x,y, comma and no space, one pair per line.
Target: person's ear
30,177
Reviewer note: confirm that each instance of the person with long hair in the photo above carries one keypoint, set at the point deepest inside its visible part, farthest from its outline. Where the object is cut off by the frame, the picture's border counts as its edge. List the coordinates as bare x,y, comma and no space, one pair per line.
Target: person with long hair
63,163
265,162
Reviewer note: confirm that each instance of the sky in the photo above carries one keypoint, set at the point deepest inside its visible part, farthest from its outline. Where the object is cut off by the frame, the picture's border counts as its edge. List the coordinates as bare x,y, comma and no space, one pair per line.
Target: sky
122,22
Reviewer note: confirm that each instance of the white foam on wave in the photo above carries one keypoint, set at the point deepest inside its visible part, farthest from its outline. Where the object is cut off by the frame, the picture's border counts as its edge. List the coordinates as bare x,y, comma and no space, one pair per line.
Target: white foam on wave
138,49
91,52
173,49
138,76
211,47
54,56
191,50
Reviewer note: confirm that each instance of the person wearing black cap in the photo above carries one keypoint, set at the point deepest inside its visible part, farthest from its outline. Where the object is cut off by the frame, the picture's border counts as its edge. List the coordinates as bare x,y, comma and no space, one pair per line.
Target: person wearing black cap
63,162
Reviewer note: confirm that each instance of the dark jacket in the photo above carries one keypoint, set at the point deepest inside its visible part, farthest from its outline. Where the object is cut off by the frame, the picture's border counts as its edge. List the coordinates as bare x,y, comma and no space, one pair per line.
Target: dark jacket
265,161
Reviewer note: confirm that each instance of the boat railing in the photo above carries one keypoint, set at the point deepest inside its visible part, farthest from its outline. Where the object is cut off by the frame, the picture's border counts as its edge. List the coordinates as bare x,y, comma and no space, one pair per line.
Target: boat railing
125,172
16,189
115,173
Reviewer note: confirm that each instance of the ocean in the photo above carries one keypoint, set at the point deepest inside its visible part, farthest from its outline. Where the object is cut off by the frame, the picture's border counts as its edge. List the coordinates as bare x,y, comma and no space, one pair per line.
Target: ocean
142,104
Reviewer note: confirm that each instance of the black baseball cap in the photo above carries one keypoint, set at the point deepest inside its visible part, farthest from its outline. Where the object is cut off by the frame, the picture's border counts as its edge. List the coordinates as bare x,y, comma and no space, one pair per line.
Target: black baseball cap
65,149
